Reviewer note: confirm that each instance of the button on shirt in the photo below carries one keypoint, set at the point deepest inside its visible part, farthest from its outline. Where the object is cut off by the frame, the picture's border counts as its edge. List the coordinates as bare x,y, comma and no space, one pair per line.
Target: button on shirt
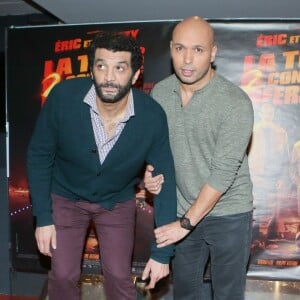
105,144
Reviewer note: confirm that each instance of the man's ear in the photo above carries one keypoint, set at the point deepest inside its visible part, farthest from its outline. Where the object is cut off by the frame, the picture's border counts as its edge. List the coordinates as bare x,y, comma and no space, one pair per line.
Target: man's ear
213,53
136,76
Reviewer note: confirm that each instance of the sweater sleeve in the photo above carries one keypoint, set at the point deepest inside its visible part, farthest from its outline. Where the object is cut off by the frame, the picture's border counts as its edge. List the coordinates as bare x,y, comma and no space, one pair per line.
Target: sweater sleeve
40,160
231,145
165,203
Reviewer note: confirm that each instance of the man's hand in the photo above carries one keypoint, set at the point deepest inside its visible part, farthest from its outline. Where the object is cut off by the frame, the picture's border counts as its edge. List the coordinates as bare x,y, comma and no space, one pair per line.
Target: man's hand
46,239
153,184
169,234
155,271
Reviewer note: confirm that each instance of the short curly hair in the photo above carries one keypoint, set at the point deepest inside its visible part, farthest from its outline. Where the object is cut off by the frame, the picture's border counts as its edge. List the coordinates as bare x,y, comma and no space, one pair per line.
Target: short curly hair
115,42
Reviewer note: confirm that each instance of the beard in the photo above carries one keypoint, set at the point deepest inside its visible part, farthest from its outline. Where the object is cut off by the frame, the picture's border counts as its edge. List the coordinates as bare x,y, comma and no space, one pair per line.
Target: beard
122,91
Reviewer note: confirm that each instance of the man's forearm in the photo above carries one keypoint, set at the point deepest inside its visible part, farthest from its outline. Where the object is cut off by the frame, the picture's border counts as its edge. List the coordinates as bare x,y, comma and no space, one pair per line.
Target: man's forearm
205,202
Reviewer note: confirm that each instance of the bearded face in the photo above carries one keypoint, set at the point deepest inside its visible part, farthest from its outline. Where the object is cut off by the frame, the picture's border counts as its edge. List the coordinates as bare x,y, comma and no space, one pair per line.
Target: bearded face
109,92
112,75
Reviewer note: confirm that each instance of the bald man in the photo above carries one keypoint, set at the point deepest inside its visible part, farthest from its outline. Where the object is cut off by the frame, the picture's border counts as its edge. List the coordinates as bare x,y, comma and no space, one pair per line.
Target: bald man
210,123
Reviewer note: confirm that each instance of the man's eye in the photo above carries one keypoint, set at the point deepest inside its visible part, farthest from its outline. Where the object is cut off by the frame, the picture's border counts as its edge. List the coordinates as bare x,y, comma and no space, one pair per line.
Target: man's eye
178,48
120,68
198,50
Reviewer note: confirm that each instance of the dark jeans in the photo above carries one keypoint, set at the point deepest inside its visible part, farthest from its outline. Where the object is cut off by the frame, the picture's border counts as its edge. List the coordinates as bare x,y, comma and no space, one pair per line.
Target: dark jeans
115,230
226,240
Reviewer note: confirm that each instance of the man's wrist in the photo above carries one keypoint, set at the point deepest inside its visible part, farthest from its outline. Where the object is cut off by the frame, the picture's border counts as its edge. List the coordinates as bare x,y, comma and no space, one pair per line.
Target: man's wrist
186,223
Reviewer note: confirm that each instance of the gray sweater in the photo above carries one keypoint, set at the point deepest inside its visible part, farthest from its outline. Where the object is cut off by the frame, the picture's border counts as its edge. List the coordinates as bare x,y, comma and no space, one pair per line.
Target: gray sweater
209,139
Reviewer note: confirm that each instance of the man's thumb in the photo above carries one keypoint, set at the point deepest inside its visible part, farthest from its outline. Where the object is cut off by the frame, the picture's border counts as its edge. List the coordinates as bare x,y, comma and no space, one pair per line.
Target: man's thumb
149,170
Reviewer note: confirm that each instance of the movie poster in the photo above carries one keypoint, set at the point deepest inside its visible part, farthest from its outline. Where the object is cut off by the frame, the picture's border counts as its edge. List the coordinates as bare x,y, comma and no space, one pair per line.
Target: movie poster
261,57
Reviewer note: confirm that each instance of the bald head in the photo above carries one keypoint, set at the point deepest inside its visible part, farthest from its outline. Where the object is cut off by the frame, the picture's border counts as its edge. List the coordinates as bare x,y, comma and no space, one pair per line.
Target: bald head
193,51
194,26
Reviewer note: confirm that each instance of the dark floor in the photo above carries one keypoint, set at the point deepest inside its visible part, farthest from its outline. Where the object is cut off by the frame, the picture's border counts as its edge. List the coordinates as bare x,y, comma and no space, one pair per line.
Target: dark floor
272,290
255,290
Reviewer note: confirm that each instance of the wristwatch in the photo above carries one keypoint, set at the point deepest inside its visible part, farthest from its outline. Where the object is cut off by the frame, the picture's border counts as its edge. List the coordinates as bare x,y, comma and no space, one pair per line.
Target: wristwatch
186,223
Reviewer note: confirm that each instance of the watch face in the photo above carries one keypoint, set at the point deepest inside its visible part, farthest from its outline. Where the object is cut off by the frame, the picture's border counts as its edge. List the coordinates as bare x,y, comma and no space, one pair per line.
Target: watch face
185,223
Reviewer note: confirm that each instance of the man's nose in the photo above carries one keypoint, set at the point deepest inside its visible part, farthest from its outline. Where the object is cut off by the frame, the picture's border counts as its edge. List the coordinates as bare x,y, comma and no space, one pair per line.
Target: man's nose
110,74
188,56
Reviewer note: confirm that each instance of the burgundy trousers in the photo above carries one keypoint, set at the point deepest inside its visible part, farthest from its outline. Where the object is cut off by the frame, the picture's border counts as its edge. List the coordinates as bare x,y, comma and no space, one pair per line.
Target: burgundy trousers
115,231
